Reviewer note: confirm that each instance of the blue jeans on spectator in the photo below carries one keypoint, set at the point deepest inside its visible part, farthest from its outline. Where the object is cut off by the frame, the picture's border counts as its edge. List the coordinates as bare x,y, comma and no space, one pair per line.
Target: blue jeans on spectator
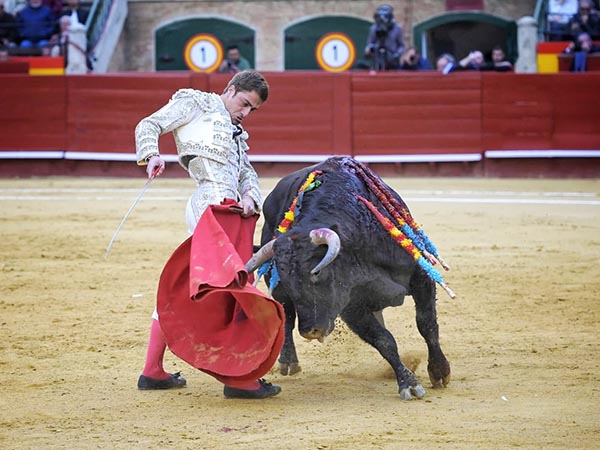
30,44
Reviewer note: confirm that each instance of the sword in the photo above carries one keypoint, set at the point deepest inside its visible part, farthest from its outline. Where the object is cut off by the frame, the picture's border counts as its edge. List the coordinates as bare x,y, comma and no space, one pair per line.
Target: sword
139,197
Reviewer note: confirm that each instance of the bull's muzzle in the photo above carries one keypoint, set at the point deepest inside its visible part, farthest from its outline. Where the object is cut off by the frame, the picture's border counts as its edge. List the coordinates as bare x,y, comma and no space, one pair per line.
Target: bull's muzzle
315,333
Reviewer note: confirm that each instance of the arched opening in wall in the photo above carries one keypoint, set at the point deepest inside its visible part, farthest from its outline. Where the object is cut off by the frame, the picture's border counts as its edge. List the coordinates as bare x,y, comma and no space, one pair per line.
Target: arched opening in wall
461,33
200,43
326,43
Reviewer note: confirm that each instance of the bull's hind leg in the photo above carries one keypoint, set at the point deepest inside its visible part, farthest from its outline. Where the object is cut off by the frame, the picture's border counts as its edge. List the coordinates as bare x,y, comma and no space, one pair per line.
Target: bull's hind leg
423,293
365,324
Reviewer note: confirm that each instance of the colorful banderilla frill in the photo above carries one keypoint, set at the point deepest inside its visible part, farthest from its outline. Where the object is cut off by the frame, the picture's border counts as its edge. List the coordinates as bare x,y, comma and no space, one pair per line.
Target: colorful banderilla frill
288,219
290,215
408,245
407,224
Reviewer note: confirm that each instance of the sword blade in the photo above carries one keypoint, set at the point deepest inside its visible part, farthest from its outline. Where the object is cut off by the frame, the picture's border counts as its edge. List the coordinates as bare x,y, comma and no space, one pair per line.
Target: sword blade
139,197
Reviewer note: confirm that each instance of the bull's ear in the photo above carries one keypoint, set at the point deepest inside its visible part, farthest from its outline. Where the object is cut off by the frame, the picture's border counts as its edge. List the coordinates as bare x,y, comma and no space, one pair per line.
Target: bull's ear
338,229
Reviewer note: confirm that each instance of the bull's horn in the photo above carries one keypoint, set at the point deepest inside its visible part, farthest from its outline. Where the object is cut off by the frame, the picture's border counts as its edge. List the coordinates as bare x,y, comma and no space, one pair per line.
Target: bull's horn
265,253
332,240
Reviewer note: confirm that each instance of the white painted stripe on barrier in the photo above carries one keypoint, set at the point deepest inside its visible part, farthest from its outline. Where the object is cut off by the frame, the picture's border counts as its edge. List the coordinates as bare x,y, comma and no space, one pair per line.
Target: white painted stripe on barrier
500,154
57,198
456,157
496,193
32,154
304,158
509,201
310,158
101,156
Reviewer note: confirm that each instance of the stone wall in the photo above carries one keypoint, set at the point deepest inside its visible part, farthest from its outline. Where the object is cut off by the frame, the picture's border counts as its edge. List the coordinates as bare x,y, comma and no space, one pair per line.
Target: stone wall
135,51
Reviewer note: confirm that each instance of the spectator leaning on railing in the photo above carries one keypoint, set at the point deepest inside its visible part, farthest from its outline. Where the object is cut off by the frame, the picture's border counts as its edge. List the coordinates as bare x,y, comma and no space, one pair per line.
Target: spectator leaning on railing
473,61
412,60
35,24
446,63
499,62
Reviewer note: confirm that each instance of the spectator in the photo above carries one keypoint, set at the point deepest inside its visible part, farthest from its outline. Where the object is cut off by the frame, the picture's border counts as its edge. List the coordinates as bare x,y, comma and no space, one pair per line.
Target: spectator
473,61
8,28
583,43
585,21
412,60
75,11
560,13
55,6
35,23
384,42
234,62
499,62
446,63
580,48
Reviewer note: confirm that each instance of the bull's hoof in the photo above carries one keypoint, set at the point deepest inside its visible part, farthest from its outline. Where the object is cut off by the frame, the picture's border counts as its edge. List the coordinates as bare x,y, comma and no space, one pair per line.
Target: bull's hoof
412,392
289,369
439,383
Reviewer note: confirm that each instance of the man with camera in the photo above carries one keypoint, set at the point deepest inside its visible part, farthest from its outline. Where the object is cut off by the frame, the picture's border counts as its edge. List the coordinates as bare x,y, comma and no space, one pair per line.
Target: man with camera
234,62
384,42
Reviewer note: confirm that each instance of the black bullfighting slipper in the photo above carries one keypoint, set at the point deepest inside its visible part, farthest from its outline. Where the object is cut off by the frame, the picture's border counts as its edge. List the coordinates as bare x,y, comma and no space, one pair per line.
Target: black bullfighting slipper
174,381
265,390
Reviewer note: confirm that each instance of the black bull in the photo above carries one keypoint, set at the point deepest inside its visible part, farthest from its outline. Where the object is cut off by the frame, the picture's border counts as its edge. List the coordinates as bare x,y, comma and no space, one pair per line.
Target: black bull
334,258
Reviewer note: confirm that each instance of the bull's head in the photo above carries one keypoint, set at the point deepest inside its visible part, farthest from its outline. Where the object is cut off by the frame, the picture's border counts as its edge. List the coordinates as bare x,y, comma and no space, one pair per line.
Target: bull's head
318,236
303,282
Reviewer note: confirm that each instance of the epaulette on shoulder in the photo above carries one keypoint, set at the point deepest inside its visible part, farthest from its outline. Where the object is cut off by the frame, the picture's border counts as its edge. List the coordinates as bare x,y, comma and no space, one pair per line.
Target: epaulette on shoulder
206,101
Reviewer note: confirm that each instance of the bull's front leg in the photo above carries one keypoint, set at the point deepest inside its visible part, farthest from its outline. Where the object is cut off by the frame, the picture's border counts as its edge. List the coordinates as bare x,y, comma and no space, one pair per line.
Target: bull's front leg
423,292
365,324
288,359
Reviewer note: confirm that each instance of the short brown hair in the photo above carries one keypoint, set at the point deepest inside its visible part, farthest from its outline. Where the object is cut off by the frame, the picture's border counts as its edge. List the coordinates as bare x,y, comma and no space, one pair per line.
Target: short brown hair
248,81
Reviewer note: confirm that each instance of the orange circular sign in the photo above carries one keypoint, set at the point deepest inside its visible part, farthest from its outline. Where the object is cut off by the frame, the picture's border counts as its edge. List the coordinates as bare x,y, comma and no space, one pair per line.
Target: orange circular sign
335,52
203,53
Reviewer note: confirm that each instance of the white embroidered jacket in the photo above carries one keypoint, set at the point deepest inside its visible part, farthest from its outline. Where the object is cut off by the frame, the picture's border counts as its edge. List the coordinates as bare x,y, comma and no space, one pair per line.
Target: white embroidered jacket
202,128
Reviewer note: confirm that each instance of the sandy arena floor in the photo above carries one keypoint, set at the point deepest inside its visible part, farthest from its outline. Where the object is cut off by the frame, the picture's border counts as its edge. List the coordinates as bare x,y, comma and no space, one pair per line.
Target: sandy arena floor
522,338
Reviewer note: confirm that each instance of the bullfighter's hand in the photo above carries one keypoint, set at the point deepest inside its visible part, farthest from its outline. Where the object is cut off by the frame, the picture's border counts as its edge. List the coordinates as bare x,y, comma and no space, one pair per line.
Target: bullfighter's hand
248,206
156,166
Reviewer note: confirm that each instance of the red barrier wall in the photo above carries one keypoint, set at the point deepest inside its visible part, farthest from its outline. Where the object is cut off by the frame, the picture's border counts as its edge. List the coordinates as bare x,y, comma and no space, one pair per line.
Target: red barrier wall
305,114
33,112
416,113
103,110
310,114
541,111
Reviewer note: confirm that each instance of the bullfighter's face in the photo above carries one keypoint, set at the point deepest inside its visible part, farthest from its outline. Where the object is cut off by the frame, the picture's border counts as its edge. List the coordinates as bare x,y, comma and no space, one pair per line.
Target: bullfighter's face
240,104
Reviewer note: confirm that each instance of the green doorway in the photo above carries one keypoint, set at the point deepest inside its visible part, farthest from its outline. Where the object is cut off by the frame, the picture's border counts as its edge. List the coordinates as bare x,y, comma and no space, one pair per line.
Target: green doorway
462,32
171,40
302,38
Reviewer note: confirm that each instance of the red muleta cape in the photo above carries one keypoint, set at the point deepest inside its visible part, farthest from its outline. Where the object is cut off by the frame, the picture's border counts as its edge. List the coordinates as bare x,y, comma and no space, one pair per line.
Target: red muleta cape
210,315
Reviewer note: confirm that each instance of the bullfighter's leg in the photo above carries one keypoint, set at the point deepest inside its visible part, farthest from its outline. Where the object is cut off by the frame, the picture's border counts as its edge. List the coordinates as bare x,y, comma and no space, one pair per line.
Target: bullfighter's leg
423,293
365,324
288,359
153,375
